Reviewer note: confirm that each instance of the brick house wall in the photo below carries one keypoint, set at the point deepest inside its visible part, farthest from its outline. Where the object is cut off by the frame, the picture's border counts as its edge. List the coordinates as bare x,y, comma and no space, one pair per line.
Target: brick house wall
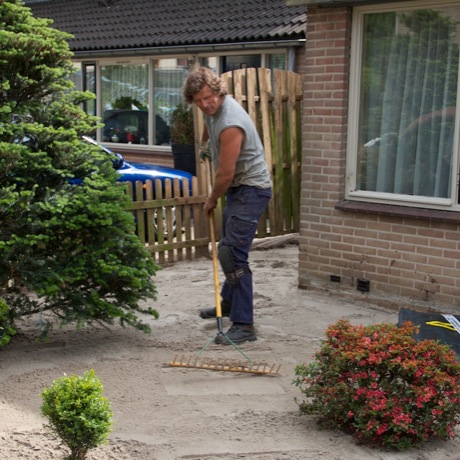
408,256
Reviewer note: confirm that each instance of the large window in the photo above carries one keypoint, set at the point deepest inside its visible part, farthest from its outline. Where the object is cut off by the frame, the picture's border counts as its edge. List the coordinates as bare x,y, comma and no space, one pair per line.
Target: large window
403,137
135,96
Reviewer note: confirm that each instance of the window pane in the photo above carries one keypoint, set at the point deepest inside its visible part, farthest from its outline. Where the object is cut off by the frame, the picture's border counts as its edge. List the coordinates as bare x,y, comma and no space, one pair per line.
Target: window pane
76,77
241,62
277,61
124,90
89,84
168,80
211,63
408,101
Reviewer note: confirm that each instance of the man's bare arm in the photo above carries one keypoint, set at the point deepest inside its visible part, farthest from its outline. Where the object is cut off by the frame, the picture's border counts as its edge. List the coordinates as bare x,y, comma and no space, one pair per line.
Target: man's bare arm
231,140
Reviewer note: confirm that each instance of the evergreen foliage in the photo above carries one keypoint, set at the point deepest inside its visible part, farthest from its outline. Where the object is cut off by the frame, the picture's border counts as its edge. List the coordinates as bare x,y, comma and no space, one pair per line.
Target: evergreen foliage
78,413
66,249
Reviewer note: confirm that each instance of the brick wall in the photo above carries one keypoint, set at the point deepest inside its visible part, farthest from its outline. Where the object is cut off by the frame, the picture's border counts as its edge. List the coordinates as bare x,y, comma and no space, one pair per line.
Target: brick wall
405,260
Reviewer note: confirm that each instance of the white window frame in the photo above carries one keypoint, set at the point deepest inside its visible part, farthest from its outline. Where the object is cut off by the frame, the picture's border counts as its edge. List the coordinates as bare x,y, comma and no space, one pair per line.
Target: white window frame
351,193
150,60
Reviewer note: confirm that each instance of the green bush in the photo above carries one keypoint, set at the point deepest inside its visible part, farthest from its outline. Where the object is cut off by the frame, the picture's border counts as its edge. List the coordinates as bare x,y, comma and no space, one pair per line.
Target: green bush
78,413
382,386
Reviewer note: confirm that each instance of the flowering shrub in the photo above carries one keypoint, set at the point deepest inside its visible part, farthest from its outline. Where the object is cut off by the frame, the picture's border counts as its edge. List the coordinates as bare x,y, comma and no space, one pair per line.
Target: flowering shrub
382,386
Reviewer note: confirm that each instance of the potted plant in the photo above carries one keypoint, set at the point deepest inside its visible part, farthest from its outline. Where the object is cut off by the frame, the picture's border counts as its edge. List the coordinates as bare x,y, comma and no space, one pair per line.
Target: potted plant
182,132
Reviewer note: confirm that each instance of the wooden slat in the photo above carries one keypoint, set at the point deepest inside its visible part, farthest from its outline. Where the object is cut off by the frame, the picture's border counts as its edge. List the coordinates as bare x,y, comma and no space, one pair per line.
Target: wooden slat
295,114
184,211
227,79
278,159
238,86
159,222
252,95
286,146
139,214
179,224
265,95
150,213
169,219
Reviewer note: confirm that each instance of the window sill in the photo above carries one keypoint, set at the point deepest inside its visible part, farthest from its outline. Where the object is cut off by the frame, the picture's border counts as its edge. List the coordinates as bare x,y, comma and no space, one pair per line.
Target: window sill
432,215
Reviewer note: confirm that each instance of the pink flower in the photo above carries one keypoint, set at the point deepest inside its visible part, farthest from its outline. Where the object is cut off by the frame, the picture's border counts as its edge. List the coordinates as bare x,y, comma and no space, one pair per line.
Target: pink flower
383,386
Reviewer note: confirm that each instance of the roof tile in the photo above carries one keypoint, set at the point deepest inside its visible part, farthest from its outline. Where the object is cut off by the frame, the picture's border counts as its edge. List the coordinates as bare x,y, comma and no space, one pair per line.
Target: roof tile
161,23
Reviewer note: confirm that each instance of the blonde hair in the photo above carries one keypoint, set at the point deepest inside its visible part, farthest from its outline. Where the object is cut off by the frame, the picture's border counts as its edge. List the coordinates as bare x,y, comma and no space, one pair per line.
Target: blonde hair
197,79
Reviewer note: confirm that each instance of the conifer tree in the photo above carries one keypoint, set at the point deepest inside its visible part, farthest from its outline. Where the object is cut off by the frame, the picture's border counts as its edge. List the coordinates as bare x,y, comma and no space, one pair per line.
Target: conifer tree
67,245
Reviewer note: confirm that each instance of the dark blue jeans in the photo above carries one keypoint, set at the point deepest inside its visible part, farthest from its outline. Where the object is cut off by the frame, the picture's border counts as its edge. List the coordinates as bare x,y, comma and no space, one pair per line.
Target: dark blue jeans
241,215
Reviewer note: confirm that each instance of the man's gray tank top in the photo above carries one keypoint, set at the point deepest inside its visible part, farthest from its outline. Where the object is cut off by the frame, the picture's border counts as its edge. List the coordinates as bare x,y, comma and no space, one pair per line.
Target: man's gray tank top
251,168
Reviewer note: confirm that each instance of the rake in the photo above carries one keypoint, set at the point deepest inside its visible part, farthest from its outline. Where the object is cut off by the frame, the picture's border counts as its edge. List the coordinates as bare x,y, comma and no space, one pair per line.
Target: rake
245,365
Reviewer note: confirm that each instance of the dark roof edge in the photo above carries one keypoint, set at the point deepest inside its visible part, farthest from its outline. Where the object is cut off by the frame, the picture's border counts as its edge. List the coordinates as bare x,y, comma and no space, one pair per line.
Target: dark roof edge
187,49
337,3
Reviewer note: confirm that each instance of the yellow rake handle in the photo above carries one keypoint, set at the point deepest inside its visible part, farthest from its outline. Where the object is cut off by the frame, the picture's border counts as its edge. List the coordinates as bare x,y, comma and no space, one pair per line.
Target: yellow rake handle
215,263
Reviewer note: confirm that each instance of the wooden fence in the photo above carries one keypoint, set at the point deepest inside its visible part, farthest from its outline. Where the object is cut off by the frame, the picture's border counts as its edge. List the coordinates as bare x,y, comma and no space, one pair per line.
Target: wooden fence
273,100
172,225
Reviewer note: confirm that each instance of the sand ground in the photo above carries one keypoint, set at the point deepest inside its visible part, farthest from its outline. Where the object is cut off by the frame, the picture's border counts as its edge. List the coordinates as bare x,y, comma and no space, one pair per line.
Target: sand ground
166,413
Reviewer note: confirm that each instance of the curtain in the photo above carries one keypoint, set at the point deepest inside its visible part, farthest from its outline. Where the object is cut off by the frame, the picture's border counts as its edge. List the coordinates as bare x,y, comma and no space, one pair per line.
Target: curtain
408,101
125,84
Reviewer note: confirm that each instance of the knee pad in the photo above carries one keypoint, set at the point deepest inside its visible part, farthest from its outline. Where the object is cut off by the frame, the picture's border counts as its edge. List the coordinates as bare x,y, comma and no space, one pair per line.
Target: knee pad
225,256
232,275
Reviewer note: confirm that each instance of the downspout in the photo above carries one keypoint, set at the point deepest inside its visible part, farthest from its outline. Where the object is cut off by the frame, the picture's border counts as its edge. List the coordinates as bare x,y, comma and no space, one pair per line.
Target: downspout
291,59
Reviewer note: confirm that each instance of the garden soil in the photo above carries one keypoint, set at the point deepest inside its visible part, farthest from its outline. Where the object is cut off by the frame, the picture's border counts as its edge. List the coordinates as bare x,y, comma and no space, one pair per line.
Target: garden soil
165,413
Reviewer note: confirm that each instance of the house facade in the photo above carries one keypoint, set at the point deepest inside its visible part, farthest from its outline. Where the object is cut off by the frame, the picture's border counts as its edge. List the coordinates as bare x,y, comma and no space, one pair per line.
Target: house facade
134,55
380,208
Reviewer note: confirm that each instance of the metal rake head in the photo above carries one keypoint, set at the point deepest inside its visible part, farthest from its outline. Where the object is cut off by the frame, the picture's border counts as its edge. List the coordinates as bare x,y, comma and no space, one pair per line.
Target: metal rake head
224,364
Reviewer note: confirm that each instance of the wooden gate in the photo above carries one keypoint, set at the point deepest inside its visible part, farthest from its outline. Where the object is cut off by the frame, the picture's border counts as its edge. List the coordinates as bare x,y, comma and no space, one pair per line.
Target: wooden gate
273,100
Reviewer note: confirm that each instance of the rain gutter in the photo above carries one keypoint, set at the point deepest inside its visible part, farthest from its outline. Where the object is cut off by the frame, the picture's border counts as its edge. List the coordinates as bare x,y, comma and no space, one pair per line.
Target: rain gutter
186,49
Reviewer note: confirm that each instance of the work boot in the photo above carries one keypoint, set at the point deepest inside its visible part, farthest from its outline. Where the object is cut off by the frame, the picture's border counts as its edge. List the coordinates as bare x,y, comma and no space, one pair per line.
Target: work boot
238,333
210,312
